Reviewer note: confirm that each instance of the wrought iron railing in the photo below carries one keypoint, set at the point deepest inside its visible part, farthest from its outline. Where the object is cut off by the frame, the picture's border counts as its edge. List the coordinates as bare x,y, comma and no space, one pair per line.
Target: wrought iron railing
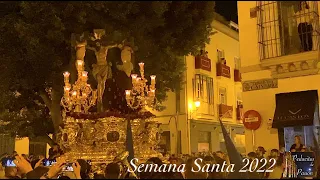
287,27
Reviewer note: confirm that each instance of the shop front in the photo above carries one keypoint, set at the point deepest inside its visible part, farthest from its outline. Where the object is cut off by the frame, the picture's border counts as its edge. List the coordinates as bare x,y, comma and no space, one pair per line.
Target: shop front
296,113
207,136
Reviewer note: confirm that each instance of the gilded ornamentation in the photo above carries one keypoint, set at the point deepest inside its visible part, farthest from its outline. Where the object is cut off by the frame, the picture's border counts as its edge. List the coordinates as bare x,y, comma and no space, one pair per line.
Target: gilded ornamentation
100,138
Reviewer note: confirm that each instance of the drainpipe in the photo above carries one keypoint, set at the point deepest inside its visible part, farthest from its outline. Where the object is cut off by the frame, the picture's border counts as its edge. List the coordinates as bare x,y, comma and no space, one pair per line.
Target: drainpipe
176,120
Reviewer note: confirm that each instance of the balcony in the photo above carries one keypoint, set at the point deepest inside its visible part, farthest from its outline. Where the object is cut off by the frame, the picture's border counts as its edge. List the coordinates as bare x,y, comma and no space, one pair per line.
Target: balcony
225,111
202,62
289,47
223,70
237,75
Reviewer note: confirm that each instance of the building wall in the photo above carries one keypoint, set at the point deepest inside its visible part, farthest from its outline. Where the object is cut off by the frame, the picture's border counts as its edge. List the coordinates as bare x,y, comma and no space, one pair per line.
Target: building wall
253,68
204,118
22,146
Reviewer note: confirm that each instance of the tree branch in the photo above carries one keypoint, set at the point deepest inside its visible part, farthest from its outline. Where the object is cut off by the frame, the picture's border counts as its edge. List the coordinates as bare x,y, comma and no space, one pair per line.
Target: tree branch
45,97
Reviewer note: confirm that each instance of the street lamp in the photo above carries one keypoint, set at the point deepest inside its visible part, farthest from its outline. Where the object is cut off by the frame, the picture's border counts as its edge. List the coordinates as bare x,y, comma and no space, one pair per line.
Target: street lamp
191,108
197,104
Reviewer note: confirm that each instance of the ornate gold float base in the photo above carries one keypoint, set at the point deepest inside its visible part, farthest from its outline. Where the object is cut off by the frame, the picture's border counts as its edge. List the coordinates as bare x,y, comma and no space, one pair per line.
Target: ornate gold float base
101,140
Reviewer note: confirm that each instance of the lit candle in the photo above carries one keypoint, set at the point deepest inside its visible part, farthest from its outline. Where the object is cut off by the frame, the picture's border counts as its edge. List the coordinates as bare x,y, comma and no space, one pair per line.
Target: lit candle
141,66
152,92
85,76
153,79
134,76
66,77
84,95
66,90
128,92
74,93
79,65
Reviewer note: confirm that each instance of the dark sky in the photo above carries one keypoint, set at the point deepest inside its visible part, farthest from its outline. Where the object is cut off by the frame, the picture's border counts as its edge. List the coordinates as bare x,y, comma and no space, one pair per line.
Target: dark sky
228,9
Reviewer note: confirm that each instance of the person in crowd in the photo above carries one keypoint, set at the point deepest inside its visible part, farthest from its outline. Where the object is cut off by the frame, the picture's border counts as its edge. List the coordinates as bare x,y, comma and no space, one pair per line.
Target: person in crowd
25,157
297,144
175,175
112,171
274,154
260,155
214,174
2,173
37,172
85,168
44,172
54,151
260,152
293,150
189,174
277,168
173,160
14,154
11,173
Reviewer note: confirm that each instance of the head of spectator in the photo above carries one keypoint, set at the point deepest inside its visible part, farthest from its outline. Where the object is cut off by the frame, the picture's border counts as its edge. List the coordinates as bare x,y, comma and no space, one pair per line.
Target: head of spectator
112,171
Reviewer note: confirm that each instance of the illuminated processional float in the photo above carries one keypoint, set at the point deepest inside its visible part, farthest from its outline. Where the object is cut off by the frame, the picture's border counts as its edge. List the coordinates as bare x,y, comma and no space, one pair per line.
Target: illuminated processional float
101,136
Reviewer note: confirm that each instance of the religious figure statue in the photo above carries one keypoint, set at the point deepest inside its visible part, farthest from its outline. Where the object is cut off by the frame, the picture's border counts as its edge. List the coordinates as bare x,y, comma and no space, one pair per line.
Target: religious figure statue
102,69
127,65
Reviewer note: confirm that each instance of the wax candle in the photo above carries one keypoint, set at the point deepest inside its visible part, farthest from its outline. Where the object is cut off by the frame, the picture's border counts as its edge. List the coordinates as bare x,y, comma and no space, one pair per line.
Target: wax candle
153,79
66,77
80,64
128,92
141,66
134,77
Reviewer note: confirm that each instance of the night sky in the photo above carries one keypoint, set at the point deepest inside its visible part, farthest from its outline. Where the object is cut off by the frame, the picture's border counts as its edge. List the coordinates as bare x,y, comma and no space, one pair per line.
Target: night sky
228,9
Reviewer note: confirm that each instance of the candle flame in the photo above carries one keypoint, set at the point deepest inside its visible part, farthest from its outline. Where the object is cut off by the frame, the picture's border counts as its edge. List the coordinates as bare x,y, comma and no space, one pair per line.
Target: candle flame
85,73
66,74
80,62
128,92
134,76
74,93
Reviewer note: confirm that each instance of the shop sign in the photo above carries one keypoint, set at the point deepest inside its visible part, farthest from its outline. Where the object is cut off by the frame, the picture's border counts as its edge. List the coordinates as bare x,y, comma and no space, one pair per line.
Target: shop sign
294,116
305,164
259,84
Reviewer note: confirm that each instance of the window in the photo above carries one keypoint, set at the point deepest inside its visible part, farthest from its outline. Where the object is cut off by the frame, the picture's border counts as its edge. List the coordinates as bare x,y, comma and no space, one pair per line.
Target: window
287,27
223,95
237,62
239,98
203,88
220,55
37,148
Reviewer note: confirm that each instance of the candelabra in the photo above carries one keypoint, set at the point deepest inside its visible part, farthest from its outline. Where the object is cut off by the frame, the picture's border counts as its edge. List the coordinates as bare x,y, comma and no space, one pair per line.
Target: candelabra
141,95
78,97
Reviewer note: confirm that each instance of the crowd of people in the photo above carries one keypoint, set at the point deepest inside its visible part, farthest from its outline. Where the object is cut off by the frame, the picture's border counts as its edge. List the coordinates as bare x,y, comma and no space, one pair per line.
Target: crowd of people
33,167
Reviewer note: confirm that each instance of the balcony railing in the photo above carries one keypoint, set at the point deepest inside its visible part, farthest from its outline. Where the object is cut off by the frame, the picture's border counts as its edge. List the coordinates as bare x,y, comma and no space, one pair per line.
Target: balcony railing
287,27
225,111
202,62
223,70
237,75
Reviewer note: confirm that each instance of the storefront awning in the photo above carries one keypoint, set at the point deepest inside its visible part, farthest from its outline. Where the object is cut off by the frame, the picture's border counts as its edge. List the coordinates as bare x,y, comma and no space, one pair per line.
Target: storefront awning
295,109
